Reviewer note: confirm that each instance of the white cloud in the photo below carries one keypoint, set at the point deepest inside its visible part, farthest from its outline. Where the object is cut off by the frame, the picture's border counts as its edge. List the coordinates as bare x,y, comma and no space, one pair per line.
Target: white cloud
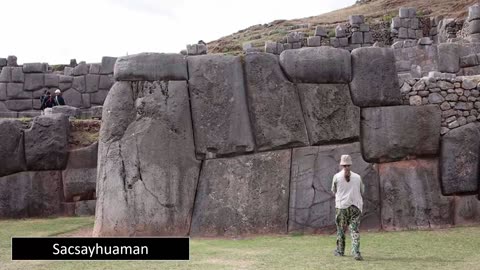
55,31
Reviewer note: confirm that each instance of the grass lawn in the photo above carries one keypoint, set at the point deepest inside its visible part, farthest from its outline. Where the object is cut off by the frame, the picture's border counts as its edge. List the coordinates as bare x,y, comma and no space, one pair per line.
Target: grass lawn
457,248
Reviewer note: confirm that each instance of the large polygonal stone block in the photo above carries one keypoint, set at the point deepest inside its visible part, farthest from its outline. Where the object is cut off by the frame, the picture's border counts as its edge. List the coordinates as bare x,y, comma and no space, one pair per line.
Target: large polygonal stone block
98,97
374,78
19,104
147,171
31,194
34,67
151,67
274,105
17,75
317,65
73,98
79,84
34,81
15,91
91,83
411,197
460,158
12,156
329,113
51,80
219,107
107,65
448,57
393,133
243,195
80,175
46,143
312,204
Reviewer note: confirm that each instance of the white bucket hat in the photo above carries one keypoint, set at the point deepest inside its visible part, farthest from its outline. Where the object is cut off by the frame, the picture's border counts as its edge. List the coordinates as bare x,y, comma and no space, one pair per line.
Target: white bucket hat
345,160
57,91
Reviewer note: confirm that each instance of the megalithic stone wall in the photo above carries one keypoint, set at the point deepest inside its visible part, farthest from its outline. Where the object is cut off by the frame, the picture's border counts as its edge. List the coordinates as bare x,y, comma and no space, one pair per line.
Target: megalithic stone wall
170,162
84,86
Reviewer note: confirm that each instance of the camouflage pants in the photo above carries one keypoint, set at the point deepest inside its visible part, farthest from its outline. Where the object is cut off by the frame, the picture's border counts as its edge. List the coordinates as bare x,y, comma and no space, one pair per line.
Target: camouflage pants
348,217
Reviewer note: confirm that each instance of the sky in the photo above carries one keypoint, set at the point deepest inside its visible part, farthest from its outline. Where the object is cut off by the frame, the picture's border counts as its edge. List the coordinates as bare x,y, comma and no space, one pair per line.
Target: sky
56,31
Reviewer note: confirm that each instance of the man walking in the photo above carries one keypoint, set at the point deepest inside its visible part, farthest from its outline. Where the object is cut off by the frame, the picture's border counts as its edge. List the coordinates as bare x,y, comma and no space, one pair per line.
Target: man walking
348,189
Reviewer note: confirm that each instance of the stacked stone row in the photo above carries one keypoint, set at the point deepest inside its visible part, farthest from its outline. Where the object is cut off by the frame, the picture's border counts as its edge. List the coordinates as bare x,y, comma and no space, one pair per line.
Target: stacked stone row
293,40
358,35
415,59
82,86
461,59
435,22
250,144
39,175
457,97
195,49
406,25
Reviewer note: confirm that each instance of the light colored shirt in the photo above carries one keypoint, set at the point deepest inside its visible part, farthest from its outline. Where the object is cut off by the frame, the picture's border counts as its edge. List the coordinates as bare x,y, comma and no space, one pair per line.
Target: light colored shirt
348,193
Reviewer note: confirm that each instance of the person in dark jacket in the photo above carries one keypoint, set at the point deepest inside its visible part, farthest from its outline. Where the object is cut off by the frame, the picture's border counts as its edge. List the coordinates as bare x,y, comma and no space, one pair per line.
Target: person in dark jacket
47,101
59,101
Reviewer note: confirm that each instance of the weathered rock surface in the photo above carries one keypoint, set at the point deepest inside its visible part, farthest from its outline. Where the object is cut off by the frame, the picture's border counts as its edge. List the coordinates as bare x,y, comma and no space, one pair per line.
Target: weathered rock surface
275,109
12,156
147,171
243,195
393,133
329,113
66,110
46,143
219,107
151,67
374,78
467,210
312,204
85,208
317,65
31,194
80,175
460,158
411,196
448,57
107,65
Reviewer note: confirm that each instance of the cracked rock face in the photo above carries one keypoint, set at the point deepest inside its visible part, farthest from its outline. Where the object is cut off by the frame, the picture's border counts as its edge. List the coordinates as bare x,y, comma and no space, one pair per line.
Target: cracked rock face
147,173
329,113
312,204
411,196
243,195
12,155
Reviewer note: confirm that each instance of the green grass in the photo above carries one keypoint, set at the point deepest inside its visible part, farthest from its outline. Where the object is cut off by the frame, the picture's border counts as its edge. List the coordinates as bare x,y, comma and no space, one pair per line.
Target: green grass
456,248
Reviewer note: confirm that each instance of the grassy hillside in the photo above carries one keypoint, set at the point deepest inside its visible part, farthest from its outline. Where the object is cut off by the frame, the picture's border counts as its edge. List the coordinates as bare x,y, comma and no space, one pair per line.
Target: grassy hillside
374,10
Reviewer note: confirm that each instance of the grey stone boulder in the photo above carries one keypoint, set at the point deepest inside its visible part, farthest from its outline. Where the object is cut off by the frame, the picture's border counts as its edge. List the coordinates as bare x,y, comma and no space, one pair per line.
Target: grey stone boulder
274,106
317,65
95,68
73,98
474,13
12,156
81,69
80,84
46,143
374,78
329,113
34,67
151,67
98,97
12,61
107,65
91,83
34,81
31,194
474,27
467,210
411,197
448,57
460,152
66,110
80,175
3,92
106,82
147,171
15,91
393,133
6,74
219,108
17,75
243,195
51,80
19,104
312,204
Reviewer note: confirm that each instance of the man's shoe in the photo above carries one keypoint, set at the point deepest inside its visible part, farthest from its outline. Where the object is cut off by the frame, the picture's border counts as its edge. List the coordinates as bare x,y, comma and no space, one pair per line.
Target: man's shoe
336,253
358,257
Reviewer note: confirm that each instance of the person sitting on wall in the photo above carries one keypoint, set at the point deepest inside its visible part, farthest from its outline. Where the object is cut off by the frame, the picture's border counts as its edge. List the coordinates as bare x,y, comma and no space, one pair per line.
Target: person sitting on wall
348,189
59,101
42,100
47,101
